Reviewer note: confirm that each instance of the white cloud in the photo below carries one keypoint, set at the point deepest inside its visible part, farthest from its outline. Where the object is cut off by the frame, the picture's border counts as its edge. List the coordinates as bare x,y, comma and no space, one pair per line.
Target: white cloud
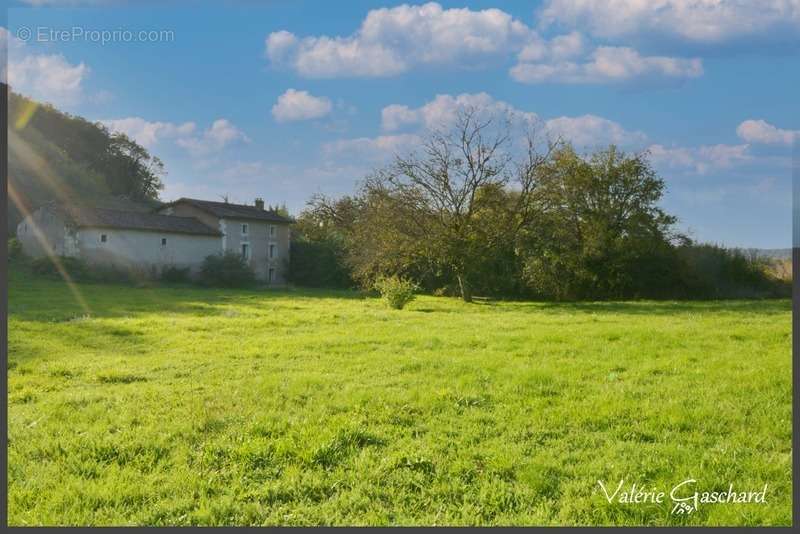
701,21
560,48
45,77
760,131
443,110
220,134
50,78
392,40
300,105
606,64
591,130
586,130
371,149
702,159
279,45
148,133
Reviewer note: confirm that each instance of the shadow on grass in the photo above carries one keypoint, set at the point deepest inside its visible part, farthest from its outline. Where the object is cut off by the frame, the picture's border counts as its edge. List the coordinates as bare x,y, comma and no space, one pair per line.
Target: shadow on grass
44,299
35,298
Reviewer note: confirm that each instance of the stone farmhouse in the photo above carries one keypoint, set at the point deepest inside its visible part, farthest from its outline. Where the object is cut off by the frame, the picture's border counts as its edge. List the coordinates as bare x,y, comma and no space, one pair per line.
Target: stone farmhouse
177,234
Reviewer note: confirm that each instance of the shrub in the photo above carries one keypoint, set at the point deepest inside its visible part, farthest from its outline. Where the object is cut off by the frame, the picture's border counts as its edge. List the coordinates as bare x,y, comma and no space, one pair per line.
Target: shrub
175,275
14,249
79,270
74,267
711,271
318,264
226,270
396,291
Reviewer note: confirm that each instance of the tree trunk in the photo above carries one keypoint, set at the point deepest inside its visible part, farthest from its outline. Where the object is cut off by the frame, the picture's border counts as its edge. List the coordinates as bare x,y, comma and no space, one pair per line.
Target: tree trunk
466,290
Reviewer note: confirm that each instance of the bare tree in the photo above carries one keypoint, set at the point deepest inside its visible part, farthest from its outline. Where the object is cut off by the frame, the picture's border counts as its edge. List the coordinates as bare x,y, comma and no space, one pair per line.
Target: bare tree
440,191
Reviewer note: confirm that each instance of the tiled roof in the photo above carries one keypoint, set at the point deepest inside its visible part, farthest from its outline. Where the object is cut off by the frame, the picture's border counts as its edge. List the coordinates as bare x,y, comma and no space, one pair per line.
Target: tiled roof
234,211
133,220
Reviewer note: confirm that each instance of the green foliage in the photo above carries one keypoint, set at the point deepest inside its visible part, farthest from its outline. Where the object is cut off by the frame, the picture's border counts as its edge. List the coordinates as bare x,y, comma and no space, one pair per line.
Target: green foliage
318,264
175,275
78,270
15,251
711,271
226,270
150,410
74,268
396,291
56,156
598,232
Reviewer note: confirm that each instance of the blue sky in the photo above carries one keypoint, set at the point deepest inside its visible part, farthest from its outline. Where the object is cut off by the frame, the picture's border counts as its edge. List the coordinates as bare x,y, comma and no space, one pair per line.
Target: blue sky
286,99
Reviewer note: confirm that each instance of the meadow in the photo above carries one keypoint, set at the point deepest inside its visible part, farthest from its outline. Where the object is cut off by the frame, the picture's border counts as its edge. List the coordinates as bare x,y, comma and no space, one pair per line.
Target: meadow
191,406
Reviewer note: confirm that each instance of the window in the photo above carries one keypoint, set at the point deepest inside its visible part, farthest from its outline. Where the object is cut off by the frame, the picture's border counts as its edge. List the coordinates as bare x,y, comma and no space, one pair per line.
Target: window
163,241
272,230
271,275
245,251
245,228
103,238
272,251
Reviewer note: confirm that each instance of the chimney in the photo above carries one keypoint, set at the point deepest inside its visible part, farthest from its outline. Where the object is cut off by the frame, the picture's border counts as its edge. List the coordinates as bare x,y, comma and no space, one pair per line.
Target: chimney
260,203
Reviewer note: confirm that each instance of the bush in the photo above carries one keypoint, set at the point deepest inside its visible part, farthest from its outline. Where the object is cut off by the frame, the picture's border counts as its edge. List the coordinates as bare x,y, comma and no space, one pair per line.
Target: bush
175,275
710,271
79,270
226,270
318,264
14,249
74,267
396,291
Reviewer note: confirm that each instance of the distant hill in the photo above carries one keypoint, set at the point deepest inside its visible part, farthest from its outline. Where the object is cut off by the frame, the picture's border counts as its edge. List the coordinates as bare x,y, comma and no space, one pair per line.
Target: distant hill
56,156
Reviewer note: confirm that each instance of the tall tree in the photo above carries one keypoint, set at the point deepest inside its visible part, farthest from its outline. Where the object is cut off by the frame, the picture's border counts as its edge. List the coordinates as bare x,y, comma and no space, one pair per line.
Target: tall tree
429,211
597,225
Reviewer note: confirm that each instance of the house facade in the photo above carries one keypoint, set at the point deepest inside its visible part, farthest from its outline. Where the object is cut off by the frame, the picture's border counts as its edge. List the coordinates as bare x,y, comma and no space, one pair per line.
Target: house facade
179,234
261,236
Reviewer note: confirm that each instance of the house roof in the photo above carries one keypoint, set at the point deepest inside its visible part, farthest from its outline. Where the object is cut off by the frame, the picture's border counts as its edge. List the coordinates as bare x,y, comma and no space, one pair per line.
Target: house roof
89,217
226,210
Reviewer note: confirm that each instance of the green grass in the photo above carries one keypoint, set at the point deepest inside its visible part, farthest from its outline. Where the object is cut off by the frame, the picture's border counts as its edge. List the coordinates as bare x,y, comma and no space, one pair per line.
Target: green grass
174,406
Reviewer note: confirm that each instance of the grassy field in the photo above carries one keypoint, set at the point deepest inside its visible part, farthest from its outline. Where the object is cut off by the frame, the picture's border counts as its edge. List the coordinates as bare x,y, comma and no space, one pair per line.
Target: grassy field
175,406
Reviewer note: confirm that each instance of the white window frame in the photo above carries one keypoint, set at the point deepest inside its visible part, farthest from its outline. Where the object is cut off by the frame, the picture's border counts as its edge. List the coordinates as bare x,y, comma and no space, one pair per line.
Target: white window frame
163,242
272,230
271,275
245,229
104,238
273,251
246,251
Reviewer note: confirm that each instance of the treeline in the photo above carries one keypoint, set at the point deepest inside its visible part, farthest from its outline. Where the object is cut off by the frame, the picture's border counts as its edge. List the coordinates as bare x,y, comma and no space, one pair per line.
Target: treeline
477,212
56,156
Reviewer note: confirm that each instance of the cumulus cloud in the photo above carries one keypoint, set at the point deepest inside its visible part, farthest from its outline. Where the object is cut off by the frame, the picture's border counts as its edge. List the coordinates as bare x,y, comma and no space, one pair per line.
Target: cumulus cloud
148,133
443,110
371,149
700,21
296,105
585,130
591,130
760,131
46,77
390,41
219,135
702,159
606,64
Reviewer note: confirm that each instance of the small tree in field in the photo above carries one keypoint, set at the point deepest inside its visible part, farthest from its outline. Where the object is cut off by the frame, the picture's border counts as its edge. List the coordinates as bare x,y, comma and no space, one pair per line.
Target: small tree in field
396,291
